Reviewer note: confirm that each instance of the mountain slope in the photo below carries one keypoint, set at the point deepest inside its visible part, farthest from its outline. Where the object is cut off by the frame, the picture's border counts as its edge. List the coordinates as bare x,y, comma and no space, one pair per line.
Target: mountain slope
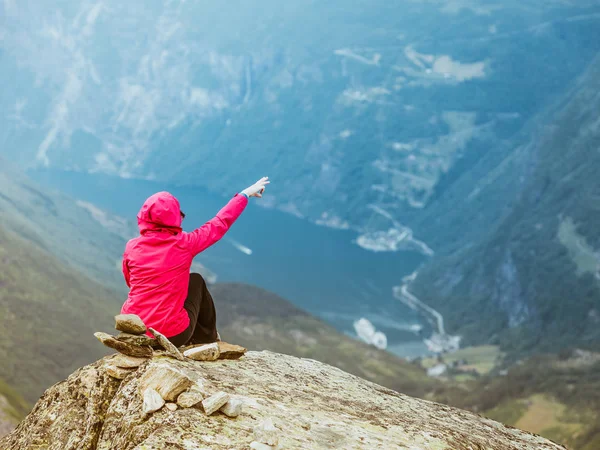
312,405
47,310
372,98
557,396
12,408
77,233
519,261
261,320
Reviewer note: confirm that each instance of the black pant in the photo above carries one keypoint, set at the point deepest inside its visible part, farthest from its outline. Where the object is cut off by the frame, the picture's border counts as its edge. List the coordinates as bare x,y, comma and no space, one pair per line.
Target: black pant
201,311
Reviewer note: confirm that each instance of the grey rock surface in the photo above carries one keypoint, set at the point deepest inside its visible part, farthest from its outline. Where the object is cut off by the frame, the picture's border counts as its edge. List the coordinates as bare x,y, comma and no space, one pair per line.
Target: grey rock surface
127,362
266,433
118,372
313,405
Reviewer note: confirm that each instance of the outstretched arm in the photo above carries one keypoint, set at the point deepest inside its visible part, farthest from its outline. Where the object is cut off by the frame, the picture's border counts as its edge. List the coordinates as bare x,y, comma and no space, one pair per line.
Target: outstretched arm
213,230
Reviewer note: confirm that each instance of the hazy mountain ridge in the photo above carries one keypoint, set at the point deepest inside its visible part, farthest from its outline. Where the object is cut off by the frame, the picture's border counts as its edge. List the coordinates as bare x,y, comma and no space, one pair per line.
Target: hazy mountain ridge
525,274
324,96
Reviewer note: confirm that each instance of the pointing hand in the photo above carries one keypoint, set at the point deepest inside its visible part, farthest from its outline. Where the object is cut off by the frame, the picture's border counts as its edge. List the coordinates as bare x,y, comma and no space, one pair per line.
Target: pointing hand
257,189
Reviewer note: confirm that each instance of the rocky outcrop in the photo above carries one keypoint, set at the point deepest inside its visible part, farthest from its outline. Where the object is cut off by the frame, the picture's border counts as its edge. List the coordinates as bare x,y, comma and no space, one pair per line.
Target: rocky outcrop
287,402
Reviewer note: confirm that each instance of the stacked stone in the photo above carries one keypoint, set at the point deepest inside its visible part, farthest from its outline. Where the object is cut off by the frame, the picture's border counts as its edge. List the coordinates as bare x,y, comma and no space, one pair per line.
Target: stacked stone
162,385
134,347
133,341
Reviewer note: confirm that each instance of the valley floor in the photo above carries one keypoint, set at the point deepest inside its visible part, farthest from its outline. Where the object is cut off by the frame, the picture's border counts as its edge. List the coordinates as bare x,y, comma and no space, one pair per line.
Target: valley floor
555,396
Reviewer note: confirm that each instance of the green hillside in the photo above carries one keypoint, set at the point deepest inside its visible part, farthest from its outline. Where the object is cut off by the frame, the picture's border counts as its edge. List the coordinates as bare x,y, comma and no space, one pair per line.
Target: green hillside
49,312
556,396
12,408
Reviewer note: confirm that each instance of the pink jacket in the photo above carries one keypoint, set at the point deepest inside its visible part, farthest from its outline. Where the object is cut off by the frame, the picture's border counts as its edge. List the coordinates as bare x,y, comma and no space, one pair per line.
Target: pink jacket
156,265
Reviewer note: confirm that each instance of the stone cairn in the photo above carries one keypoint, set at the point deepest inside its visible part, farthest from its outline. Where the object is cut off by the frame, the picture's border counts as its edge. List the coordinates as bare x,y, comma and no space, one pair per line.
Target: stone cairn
163,385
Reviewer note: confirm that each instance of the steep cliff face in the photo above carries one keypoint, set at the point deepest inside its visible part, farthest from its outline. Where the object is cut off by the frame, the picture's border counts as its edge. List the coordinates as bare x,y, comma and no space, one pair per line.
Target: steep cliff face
520,257
310,404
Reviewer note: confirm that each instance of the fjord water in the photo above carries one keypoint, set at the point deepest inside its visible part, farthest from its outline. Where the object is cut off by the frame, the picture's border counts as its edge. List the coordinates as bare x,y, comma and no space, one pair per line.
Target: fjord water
319,269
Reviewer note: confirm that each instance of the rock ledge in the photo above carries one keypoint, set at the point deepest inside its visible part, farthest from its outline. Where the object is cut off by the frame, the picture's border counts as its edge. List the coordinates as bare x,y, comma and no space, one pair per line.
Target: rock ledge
306,404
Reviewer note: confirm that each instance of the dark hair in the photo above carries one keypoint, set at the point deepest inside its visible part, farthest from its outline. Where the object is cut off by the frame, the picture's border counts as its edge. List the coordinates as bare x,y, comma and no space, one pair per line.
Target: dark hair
182,215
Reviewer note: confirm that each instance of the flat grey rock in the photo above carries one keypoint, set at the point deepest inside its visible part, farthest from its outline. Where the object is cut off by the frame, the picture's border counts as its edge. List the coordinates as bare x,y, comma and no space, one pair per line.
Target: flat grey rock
213,403
208,352
140,339
123,347
167,345
130,323
127,362
190,398
233,407
153,401
166,380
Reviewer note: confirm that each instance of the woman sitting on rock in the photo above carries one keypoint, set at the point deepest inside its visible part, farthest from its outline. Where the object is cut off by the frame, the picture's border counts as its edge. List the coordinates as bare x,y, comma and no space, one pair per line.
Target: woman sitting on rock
156,266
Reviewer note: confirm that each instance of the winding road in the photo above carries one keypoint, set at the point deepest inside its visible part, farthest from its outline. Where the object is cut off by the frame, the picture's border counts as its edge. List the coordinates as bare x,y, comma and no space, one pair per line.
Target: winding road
440,341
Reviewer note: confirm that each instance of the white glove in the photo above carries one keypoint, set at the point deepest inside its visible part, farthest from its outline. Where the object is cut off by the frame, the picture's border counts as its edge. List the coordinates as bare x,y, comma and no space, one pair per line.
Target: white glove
257,189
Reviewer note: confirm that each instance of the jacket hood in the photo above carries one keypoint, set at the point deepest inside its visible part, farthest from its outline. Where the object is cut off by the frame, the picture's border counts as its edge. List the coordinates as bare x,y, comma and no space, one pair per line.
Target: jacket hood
160,212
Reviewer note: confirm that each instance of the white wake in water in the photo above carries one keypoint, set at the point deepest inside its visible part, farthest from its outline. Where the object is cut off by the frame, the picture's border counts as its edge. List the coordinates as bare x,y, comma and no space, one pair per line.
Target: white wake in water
367,332
242,248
